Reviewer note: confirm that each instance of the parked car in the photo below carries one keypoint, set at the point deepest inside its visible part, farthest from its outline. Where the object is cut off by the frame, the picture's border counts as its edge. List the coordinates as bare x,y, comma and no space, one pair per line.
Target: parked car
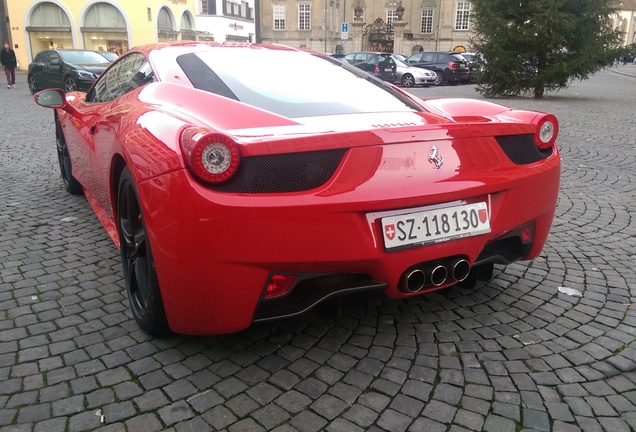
68,69
475,64
405,74
238,198
450,68
380,64
410,76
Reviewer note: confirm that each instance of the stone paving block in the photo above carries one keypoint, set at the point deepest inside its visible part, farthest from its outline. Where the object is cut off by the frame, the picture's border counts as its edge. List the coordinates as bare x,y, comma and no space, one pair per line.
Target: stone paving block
496,423
328,406
439,411
361,415
144,423
307,421
394,421
241,405
175,413
270,416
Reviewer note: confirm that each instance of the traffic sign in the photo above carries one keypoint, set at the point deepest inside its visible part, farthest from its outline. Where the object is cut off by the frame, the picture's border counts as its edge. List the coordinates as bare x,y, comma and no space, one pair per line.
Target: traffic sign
344,31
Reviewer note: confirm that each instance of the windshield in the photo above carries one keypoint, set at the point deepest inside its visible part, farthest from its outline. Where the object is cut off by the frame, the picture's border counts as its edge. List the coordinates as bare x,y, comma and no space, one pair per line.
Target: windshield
291,83
83,57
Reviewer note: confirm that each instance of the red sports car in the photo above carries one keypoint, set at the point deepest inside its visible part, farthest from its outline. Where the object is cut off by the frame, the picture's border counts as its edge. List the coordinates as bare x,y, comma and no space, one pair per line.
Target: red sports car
245,183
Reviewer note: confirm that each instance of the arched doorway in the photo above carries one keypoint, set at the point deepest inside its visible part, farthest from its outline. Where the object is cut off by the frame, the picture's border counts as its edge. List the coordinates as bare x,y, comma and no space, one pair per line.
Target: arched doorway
105,29
49,27
165,26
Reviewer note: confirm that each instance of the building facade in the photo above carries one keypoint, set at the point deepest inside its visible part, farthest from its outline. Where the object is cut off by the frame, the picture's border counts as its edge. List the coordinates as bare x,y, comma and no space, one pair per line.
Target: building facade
111,25
399,26
226,20
396,26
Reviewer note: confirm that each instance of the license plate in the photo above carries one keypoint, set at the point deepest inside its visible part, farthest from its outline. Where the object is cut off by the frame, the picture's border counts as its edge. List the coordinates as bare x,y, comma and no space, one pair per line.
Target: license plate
435,225
388,70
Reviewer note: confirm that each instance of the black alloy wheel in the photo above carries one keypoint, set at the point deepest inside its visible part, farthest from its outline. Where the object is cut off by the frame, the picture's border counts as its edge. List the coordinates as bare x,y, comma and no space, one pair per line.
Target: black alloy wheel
408,80
33,87
70,84
71,184
139,268
439,80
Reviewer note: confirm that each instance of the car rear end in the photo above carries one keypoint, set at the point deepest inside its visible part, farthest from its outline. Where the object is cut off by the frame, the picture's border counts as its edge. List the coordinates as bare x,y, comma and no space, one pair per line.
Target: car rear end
458,68
385,67
324,194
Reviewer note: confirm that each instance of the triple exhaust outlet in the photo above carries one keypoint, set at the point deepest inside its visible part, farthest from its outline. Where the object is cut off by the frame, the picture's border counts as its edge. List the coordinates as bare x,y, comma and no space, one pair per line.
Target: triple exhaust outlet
435,274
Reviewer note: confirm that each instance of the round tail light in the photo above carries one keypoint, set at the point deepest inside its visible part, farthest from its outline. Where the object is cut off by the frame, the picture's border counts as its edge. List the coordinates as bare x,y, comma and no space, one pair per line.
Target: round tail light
210,157
547,129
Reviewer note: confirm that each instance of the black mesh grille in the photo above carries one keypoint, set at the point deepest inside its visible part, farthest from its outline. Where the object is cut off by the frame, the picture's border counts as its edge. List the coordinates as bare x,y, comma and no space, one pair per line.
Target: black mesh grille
289,172
521,149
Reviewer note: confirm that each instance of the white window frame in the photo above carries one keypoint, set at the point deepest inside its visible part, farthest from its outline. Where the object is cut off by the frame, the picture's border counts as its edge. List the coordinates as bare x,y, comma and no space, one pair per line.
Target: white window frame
462,16
391,17
426,26
304,17
279,16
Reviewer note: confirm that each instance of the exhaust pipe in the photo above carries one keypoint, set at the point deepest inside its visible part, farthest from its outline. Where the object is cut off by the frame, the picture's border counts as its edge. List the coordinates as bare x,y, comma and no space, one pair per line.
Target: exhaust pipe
438,275
460,270
413,280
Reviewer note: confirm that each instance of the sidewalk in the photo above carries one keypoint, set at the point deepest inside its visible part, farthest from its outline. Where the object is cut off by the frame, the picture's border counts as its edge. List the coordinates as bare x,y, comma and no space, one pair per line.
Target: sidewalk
627,70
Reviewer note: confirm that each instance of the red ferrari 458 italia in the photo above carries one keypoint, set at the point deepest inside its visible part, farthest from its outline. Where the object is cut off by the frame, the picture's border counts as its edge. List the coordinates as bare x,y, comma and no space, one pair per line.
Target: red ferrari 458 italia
249,182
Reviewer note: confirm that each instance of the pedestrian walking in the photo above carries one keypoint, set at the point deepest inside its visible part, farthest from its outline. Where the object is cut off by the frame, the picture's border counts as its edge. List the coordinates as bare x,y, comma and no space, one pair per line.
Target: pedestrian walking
9,63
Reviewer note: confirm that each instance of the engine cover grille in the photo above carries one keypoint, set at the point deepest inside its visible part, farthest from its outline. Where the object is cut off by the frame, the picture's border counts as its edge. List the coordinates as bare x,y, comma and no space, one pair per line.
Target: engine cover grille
288,172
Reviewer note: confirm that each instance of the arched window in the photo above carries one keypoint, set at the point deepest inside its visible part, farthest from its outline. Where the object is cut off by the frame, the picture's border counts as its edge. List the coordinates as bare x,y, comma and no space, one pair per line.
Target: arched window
49,27
49,15
165,26
105,29
187,29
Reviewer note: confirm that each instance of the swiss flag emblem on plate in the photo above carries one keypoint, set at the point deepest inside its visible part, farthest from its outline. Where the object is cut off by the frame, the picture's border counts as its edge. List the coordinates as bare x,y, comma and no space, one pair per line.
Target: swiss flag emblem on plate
389,231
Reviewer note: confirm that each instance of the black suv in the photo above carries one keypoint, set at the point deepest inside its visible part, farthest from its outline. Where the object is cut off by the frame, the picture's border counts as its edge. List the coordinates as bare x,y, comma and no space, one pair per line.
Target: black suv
450,68
379,64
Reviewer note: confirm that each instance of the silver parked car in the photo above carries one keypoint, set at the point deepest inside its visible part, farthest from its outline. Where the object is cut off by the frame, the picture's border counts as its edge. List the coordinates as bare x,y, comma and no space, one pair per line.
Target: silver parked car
410,76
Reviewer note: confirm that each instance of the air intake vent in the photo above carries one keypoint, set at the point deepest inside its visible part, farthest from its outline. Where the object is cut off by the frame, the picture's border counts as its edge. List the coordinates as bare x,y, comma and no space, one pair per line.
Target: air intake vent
521,149
289,172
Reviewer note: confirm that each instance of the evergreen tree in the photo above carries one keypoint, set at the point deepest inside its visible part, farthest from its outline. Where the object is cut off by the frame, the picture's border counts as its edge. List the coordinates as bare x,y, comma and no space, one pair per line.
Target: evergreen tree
530,46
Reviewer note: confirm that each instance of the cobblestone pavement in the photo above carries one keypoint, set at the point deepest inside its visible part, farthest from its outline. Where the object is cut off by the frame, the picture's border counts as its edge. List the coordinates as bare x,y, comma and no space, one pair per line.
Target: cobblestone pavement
513,354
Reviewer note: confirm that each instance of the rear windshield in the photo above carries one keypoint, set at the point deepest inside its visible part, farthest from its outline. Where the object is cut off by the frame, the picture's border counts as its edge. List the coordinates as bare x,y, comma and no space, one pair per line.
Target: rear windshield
458,57
289,83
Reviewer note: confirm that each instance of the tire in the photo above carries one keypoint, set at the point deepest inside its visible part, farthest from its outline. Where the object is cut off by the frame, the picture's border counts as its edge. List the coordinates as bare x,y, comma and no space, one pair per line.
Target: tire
33,87
408,80
69,84
440,80
140,273
71,184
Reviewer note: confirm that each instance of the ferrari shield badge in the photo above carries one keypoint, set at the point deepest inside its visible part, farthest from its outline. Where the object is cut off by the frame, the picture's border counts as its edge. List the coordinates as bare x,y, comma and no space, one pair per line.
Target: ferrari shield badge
436,158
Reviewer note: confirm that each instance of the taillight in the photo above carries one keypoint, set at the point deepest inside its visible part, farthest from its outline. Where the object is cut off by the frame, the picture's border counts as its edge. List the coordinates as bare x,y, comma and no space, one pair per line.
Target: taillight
547,129
453,66
279,285
376,70
210,157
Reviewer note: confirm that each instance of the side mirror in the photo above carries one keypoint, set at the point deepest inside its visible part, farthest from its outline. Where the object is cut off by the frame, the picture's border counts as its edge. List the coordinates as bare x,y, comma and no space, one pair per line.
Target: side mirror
52,98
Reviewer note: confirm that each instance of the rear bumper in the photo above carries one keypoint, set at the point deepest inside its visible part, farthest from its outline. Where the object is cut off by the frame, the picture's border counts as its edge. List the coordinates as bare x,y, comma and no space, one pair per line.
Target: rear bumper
215,252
